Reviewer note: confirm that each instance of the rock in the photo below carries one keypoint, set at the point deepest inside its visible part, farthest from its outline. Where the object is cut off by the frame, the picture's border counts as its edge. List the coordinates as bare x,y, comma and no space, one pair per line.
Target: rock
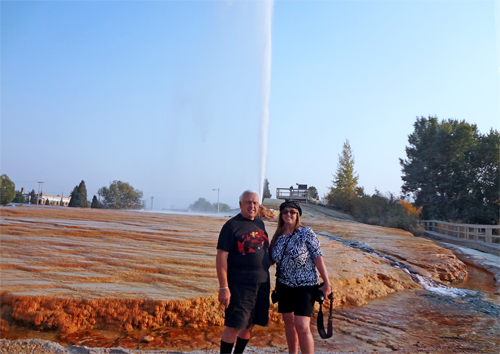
267,214
147,339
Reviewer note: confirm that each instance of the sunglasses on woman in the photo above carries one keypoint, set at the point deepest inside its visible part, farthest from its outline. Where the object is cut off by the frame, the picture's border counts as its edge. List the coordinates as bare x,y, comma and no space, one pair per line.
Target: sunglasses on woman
289,211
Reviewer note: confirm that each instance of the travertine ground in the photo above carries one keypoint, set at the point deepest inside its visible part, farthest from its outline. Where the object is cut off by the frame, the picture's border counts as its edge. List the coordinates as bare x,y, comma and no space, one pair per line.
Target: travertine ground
69,270
72,269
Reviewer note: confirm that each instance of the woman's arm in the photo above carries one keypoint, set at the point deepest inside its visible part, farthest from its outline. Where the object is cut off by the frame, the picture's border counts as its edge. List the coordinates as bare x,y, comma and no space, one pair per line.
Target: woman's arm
320,265
314,249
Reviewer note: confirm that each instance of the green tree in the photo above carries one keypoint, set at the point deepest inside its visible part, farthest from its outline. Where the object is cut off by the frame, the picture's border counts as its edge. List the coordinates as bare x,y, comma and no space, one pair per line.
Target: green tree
95,203
73,202
451,170
82,194
47,201
312,192
222,207
19,198
121,195
203,206
343,192
484,204
7,190
266,193
79,196
32,197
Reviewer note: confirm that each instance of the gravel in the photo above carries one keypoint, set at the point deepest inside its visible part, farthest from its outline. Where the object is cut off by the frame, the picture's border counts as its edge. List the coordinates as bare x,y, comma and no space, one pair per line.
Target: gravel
39,346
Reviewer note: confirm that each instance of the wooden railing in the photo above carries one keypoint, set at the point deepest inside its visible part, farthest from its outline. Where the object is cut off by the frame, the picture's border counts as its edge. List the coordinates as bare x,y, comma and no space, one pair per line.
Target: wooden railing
480,233
295,194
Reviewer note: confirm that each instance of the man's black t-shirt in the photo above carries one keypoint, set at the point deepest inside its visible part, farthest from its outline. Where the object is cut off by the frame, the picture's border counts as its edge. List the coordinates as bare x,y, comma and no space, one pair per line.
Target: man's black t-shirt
247,243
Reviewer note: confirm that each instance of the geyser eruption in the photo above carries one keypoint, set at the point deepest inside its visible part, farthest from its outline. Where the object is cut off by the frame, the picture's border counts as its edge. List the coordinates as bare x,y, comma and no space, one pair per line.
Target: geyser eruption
266,88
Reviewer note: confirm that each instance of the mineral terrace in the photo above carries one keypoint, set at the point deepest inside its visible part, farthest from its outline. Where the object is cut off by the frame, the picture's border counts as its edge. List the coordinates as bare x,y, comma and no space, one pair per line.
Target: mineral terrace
68,270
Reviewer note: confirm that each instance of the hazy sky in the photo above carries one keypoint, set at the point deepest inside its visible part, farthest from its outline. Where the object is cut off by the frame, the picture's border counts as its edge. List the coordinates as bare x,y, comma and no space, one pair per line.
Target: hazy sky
166,95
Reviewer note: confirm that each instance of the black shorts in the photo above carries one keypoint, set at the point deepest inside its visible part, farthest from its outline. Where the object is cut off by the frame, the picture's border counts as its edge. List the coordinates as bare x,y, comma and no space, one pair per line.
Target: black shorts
249,305
299,300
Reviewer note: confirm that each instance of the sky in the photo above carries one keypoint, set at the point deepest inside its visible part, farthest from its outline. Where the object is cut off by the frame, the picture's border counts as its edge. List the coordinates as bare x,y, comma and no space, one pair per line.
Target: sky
167,95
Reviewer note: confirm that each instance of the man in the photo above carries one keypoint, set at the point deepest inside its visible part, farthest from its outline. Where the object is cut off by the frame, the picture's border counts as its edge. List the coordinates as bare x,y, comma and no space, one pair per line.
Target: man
243,271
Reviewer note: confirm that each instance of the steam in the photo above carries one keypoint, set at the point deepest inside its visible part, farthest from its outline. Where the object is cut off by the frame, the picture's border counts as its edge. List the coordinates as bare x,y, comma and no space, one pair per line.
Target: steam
266,88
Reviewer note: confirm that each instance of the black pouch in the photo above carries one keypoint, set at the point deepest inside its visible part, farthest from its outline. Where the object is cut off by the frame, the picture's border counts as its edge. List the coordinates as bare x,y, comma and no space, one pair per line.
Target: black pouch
274,296
320,296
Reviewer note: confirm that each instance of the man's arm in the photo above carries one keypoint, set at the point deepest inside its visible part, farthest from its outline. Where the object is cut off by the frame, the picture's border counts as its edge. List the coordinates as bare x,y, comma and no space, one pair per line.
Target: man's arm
221,265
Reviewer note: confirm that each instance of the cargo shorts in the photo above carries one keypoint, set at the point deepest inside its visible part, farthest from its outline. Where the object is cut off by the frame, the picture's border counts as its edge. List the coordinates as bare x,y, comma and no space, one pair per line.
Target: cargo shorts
249,305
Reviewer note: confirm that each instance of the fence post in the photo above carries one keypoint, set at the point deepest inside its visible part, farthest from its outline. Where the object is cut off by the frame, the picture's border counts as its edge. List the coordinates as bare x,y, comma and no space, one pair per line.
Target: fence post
488,234
448,231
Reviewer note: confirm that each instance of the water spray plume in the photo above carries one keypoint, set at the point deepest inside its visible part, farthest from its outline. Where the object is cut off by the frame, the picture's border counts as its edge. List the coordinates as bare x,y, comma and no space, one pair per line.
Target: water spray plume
266,89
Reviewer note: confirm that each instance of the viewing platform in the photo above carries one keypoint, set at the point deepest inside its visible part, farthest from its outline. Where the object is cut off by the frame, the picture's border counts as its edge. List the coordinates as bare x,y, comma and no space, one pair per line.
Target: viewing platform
299,194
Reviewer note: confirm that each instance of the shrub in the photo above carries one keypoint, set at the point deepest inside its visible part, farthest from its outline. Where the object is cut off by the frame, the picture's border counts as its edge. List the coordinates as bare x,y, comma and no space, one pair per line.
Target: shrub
386,211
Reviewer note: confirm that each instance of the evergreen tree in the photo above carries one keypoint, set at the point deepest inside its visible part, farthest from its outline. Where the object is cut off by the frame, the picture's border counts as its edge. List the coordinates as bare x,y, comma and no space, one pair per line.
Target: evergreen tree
73,202
82,195
79,196
47,201
95,203
7,190
32,197
343,192
266,193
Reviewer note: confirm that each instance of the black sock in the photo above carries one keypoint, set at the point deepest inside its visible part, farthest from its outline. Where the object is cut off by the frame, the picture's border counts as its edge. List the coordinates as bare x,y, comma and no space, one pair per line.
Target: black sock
226,348
240,345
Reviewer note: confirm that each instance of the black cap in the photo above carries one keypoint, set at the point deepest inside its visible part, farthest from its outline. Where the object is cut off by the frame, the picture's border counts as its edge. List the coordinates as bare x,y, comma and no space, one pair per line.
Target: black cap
291,204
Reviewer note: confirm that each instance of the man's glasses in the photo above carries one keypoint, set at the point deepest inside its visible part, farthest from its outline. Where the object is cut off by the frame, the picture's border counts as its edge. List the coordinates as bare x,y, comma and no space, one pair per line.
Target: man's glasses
291,212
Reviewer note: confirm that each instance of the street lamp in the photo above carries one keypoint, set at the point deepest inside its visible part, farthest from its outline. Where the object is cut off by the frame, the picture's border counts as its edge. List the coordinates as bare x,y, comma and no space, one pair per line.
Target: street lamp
218,190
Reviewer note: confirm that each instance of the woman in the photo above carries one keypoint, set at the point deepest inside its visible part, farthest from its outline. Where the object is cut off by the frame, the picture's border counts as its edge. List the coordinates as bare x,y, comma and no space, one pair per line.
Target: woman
296,251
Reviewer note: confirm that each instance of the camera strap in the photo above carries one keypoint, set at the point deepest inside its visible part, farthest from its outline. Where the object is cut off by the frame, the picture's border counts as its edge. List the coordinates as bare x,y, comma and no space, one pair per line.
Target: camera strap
320,323
278,268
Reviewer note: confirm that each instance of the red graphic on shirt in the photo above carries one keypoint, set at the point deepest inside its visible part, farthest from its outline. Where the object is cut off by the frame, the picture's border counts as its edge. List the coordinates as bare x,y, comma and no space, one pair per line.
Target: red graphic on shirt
250,243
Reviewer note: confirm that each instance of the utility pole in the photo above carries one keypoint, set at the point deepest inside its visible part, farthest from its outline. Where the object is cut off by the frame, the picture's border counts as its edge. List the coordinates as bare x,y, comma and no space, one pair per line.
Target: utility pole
152,203
39,188
217,189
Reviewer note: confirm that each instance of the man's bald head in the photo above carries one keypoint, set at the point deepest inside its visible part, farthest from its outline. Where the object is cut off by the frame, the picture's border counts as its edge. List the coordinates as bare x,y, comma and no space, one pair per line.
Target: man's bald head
247,192
249,204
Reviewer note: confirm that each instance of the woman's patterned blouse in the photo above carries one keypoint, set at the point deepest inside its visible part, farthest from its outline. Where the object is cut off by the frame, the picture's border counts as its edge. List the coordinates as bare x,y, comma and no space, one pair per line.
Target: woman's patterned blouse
296,266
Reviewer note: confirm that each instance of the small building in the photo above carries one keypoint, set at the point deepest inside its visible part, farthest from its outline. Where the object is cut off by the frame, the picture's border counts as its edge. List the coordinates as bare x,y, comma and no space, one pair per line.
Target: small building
53,200
42,200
